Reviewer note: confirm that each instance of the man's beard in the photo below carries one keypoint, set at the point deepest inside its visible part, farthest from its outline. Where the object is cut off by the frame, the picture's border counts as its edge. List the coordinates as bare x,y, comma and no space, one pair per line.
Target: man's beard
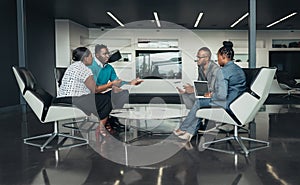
201,65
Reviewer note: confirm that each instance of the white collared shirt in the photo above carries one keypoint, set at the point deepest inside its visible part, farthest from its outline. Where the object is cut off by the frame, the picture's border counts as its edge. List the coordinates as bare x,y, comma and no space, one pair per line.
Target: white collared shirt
99,63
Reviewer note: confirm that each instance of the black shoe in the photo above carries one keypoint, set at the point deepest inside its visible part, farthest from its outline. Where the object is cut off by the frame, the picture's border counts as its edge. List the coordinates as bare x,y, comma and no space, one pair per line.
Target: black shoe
114,122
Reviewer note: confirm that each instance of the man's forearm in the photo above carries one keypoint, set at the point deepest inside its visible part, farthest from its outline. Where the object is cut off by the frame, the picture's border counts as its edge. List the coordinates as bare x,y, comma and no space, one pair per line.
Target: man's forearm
104,87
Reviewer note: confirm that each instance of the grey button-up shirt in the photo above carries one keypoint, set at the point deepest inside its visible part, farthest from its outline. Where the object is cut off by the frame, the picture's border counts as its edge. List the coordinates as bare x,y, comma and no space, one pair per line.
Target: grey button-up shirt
210,76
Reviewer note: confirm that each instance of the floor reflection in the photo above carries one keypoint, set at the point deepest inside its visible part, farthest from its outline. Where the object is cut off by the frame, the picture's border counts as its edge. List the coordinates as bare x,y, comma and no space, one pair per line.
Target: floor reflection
278,164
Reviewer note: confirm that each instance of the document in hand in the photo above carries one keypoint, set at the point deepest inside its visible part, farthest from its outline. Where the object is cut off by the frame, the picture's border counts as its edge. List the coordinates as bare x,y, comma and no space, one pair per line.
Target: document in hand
126,86
109,89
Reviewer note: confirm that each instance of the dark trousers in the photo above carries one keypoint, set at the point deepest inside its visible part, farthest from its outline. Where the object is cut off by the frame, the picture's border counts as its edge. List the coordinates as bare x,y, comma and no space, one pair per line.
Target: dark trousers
98,104
118,99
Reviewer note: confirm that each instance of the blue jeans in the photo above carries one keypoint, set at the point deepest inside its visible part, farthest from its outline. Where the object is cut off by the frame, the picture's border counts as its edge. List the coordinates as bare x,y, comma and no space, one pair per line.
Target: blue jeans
191,123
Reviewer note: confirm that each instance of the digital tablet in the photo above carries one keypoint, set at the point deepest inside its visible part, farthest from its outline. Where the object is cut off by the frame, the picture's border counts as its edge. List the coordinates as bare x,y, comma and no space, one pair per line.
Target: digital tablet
201,87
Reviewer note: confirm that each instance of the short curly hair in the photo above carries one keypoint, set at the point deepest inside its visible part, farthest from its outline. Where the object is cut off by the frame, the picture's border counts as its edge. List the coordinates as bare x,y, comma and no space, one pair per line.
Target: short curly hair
98,47
207,50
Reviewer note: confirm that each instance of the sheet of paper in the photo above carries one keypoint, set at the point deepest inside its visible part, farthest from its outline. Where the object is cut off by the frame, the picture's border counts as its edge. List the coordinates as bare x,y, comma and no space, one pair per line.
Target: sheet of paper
109,89
126,87
179,84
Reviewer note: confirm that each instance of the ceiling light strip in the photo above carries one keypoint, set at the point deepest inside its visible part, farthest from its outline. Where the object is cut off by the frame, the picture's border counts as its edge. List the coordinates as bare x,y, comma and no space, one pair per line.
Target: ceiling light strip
239,20
286,17
156,19
198,19
114,18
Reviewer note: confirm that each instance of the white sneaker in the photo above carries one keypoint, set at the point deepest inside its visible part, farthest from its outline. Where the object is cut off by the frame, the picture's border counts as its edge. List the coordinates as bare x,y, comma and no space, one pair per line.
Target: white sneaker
186,136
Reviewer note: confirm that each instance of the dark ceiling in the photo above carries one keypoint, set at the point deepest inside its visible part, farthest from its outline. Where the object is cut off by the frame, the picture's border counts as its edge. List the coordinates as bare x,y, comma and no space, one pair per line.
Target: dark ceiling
218,14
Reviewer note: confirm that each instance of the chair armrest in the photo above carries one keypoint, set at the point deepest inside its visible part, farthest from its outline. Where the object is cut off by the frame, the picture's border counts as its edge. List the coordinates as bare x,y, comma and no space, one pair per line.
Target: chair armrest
215,114
63,101
63,104
284,86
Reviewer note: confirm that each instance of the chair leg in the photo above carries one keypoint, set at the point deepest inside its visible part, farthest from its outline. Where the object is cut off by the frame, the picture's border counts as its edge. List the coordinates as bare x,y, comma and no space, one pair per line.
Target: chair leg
84,125
239,140
206,145
266,144
48,141
27,140
51,137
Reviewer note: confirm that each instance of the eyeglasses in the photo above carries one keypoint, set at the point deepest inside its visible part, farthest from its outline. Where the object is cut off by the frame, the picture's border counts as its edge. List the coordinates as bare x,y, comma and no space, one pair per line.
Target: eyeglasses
199,57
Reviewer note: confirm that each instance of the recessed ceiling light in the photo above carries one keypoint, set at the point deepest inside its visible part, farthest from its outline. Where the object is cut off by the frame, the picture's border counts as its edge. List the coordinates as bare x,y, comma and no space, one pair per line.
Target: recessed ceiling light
282,19
239,20
156,19
114,18
198,19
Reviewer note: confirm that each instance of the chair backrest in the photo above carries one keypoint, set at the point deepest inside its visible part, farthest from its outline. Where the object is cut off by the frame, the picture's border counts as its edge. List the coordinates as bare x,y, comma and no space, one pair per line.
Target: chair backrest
38,99
115,55
25,80
250,74
246,106
283,77
59,73
262,84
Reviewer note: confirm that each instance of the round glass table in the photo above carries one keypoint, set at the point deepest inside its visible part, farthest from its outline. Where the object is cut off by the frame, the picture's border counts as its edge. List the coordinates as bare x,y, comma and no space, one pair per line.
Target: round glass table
147,112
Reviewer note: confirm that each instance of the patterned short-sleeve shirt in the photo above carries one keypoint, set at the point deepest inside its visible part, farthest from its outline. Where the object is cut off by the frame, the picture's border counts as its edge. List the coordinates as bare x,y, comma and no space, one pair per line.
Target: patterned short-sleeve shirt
73,80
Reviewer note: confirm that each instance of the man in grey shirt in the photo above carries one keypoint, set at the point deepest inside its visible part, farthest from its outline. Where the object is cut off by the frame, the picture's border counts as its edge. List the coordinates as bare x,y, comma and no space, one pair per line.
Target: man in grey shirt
207,70
230,83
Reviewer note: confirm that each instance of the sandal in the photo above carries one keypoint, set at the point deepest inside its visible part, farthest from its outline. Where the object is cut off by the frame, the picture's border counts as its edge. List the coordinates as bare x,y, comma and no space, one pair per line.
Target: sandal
178,132
109,128
100,130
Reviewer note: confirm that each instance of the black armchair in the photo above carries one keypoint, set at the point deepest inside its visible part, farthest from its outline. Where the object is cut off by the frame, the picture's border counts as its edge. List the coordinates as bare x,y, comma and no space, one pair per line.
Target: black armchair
286,82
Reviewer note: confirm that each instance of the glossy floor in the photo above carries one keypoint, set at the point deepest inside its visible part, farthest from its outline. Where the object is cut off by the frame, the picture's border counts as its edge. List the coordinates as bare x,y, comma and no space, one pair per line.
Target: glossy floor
278,164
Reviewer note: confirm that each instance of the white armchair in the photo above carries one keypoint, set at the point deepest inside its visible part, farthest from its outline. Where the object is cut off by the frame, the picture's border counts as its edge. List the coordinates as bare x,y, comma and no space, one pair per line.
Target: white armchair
42,105
244,110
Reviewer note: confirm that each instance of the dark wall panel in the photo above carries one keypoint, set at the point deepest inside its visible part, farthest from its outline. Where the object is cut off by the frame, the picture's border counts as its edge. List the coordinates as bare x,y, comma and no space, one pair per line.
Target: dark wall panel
40,51
9,93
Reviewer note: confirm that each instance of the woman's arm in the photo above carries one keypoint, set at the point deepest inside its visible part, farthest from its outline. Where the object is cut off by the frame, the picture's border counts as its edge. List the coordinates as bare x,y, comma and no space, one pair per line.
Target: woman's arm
221,87
90,83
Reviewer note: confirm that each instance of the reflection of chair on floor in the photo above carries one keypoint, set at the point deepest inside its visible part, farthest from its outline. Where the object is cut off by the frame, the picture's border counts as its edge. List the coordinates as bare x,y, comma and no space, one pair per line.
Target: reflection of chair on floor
64,170
244,110
42,105
286,82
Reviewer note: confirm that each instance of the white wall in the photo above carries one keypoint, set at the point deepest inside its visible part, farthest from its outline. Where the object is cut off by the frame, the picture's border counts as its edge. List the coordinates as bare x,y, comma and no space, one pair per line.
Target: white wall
62,43
68,35
189,42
